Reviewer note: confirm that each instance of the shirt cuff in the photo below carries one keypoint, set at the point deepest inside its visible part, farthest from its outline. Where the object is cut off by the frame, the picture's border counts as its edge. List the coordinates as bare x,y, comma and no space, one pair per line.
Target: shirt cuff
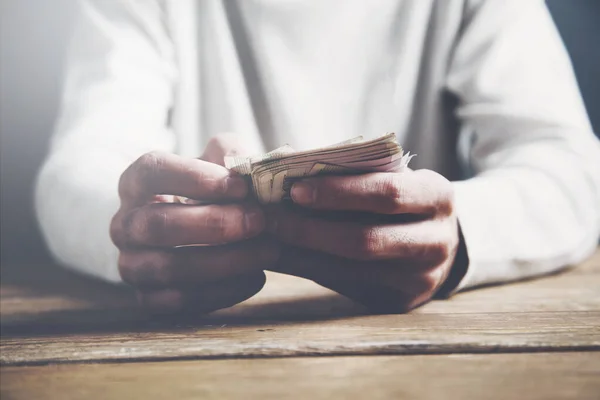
473,242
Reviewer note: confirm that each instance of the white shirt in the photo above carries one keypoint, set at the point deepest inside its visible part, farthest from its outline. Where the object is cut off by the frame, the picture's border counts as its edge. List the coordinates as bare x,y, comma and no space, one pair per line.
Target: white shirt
482,91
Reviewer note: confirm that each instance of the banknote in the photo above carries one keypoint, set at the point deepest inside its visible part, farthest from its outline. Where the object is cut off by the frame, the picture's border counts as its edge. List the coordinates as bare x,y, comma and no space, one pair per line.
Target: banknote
272,174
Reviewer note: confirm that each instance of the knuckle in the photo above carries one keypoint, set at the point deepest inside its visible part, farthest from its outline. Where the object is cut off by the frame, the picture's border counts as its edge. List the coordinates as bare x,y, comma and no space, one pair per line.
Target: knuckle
393,192
132,228
368,244
144,226
136,227
154,225
116,229
439,251
445,198
150,160
140,173
148,165
401,195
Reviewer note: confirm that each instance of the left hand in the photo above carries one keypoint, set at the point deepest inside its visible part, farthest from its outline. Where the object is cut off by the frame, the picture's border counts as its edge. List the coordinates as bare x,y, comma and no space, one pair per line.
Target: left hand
393,255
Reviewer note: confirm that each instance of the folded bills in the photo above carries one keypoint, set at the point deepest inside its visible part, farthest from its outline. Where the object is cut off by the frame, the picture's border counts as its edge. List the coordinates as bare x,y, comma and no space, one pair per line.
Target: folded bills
273,174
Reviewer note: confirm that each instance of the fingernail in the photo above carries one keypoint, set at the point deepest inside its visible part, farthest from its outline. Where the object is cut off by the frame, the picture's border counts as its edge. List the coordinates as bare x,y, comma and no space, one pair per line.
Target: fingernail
236,186
253,222
303,193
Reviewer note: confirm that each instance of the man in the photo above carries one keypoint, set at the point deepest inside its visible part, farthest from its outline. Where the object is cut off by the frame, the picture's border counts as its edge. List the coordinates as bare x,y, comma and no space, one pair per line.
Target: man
481,90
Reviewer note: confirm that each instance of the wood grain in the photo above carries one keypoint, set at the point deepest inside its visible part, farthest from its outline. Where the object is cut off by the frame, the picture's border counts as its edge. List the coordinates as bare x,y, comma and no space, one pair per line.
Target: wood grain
544,376
390,334
59,317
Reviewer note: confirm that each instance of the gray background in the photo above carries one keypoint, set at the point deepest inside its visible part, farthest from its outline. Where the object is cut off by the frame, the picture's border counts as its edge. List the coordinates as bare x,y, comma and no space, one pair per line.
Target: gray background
33,39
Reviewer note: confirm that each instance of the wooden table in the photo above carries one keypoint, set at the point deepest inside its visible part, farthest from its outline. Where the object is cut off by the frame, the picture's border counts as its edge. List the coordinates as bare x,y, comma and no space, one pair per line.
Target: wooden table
66,337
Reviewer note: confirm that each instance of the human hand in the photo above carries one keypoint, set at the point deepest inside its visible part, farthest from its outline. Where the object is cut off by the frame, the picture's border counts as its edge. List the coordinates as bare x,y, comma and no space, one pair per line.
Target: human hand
227,266
387,240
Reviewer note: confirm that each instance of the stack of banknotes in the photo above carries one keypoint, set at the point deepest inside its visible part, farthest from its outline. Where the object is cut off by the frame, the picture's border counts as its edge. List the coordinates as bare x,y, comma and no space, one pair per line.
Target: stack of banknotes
273,174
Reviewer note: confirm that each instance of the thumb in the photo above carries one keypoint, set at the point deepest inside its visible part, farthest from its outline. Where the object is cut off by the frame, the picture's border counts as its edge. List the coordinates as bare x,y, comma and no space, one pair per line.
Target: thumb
224,144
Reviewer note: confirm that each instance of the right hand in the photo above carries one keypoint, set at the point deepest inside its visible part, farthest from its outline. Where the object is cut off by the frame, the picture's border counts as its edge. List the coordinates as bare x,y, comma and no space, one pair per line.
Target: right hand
226,268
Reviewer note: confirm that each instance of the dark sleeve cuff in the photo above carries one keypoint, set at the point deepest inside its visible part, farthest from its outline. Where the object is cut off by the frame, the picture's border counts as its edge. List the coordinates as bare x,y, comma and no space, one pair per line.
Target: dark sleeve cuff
457,271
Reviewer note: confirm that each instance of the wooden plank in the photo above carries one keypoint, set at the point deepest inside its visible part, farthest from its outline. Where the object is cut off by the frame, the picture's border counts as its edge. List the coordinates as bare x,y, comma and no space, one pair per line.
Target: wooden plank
63,318
388,334
501,376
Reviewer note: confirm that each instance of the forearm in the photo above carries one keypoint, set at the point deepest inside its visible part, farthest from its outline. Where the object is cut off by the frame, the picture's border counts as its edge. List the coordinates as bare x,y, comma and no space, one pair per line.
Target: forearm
533,204
76,197
534,212
118,90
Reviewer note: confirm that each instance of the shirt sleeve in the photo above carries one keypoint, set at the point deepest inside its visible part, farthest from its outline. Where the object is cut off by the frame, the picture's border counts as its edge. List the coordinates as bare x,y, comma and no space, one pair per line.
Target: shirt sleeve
532,203
116,100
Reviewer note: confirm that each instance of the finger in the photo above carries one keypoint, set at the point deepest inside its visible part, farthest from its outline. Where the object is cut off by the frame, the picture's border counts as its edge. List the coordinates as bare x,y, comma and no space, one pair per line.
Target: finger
312,264
205,298
224,144
169,225
416,192
381,286
425,240
154,268
163,173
